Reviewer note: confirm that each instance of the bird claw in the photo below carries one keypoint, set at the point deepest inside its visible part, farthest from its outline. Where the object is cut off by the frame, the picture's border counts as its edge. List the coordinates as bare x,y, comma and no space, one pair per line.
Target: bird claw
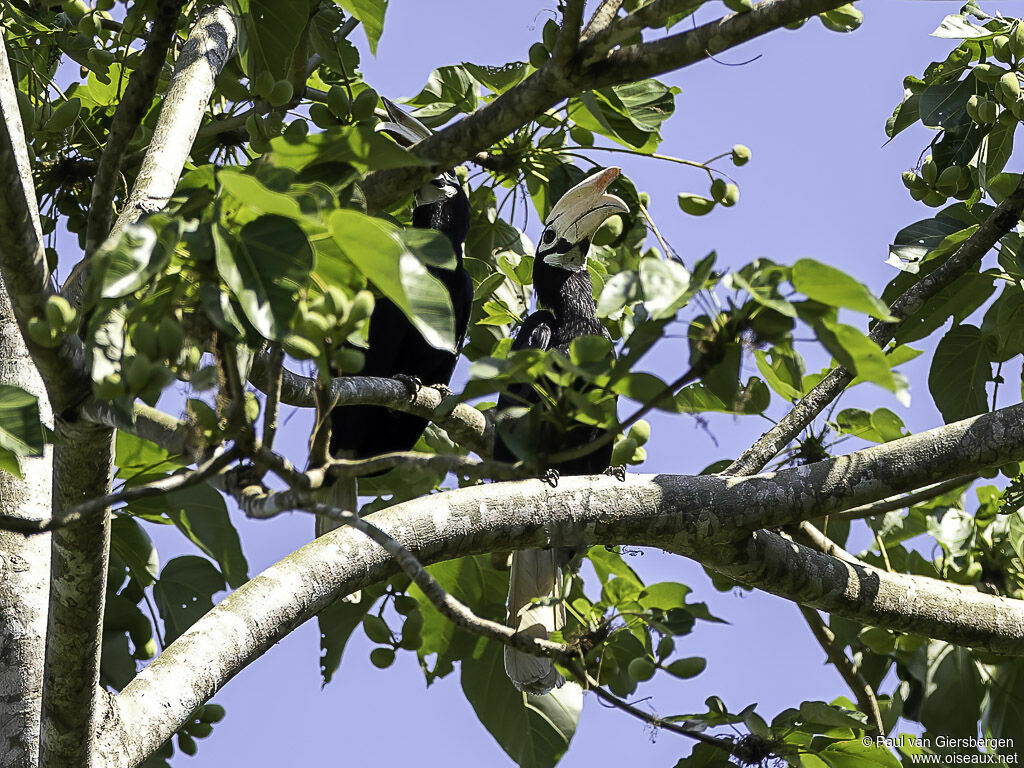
618,472
443,389
413,384
550,477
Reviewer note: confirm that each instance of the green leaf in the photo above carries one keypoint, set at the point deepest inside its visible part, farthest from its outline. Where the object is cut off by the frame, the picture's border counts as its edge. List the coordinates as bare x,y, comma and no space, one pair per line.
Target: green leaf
854,754
959,27
534,731
999,145
376,249
21,432
265,269
357,145
1005,711
134,546
666,286
122,267
836,288
185,592
959,372
248,191
273,30
822,714
687,668
856,352
137,456
201,514
337,622
371,14
630,114
951,668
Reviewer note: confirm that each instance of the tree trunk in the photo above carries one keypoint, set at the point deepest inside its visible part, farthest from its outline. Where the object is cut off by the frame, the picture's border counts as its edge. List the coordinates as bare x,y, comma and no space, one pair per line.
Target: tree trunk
24,569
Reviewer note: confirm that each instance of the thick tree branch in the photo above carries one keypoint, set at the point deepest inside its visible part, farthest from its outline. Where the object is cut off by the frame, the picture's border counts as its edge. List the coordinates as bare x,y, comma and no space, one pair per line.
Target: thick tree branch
692,516
83,459
1000,222
604,14
22,259
550,85
209,46
861,688
465,425
136,101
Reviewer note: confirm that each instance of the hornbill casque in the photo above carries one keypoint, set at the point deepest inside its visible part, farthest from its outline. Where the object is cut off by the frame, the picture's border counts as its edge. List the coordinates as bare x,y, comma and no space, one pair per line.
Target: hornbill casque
396,348
566,311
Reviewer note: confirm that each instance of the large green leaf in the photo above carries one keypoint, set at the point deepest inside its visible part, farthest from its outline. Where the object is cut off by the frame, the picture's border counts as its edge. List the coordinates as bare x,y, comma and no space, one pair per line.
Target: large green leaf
371,14
201,514
534,731
358,145
951,668
375,247
21,432
273,30
835,288
856,352
630,114
960,370
856,754
666,286
265,269
133,545
185,592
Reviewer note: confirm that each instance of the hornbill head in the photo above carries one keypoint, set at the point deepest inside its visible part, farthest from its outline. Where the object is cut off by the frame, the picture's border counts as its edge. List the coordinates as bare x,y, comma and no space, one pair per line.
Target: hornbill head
575,218
407,131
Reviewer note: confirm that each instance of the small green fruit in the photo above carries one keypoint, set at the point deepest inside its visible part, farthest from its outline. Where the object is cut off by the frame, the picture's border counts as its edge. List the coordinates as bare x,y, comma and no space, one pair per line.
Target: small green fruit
988,73
321,116
731,196
361,308
1017,40
1009,88
59,313
137,373
263,84
349,361
988,111
949,180
845,18
280,94
42,334
90,24
929,171
695,205
623,451
299,347
740,154
382,658
934,199
538,55
337,101
641,669
972,108
640,432
364,104
738,6
1001,48
608,232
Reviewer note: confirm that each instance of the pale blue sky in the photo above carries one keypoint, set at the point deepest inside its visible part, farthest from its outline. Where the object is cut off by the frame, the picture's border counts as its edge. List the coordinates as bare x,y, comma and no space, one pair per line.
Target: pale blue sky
812,108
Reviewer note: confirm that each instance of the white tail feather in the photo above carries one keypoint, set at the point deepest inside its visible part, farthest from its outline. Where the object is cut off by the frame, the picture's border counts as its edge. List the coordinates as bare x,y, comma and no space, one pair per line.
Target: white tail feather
341,495
534,574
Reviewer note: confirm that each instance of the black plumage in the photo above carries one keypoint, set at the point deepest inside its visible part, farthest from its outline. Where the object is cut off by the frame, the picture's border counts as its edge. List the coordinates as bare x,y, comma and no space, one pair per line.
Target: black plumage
565,311
397,348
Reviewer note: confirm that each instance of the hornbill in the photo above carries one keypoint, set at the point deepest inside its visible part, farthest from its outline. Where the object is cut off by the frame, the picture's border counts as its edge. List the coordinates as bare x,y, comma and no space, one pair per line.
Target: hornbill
396,348
566,311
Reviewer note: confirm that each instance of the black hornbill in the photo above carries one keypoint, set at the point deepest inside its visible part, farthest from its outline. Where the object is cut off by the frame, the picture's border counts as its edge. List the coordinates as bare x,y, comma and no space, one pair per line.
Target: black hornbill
396,348
566,311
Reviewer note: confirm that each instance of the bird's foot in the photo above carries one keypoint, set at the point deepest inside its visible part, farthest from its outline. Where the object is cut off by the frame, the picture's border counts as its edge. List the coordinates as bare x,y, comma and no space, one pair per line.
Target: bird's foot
618,472
550,477
443,389
413,384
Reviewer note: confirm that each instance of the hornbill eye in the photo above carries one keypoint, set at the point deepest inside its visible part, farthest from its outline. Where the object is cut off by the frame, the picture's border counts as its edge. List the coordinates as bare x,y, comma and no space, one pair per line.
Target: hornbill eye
548,237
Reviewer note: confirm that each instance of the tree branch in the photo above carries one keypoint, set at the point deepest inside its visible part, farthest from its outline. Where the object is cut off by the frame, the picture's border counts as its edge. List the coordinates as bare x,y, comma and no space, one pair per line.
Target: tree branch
22,259
867,701
1003,219
465,425
136,101
692,516
209,46
904,502
603,16
545,88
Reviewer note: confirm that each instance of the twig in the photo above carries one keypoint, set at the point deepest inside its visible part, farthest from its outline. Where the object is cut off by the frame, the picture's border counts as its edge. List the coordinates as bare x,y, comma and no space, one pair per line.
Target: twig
902,502
275,358
867,701
101,503
654,14
137,98
465,425
812,537
457,463
455,611
603,16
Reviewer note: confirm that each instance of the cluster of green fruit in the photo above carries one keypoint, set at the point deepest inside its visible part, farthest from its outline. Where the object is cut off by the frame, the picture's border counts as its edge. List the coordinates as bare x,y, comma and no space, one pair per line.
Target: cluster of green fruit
89,20
378,631
325,325
147,369
59,318
342,109
721,192
628,450
1005,83
934,187
622,678
199,727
